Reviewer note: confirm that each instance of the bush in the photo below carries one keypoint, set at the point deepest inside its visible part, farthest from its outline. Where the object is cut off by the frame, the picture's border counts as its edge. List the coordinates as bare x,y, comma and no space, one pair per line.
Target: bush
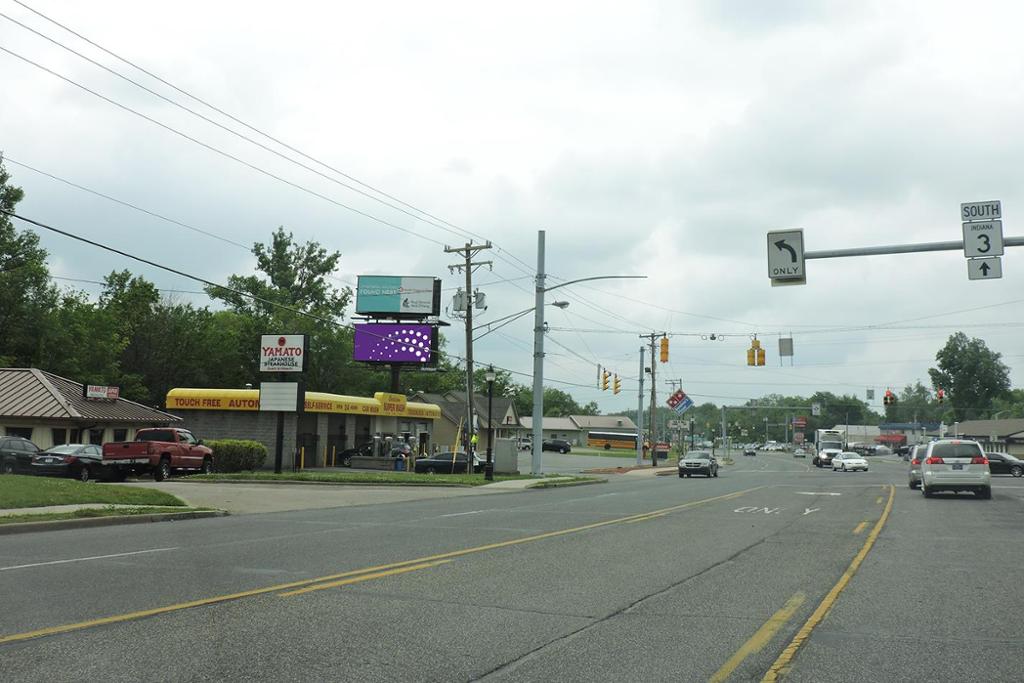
235,455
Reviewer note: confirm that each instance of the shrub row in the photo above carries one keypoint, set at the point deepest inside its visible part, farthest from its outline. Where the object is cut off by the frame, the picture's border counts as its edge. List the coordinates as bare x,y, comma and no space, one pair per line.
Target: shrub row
235,455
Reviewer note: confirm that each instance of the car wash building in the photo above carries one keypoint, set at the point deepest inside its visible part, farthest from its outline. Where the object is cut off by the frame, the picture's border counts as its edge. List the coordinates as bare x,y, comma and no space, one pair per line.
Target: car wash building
328,424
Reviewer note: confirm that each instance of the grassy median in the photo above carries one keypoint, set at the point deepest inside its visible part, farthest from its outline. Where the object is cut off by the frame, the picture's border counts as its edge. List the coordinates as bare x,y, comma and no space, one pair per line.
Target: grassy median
111,511
24,491
364,477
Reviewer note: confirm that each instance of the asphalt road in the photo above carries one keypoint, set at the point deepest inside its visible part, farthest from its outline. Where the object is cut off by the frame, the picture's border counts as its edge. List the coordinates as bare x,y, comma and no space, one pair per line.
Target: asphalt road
775,567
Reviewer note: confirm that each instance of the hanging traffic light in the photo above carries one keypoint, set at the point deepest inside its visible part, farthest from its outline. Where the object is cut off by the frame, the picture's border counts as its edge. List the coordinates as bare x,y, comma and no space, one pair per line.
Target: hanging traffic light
604,380
755,354
890,398
616,385
664,349
941,395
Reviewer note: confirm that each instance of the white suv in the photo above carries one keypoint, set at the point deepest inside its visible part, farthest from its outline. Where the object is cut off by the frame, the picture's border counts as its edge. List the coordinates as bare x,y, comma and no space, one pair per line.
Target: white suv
955,465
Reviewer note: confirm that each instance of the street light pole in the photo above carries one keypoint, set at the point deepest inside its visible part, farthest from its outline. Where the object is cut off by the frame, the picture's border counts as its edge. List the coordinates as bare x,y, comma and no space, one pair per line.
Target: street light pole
489,467
538,346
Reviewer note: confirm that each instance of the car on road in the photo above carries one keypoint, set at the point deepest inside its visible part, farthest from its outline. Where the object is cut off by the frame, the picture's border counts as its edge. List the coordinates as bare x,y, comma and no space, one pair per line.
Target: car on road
559,445
955,465
447,463
698,462
16,455
749,450
799,453
83,461
915,455
848,461
1004,463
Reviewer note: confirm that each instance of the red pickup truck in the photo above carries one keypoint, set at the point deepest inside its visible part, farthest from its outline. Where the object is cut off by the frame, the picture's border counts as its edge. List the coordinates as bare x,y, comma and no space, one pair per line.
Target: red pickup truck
158,451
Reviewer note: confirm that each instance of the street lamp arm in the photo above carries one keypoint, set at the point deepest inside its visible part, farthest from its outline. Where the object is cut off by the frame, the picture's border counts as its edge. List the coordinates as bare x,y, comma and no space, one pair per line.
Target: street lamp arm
599,277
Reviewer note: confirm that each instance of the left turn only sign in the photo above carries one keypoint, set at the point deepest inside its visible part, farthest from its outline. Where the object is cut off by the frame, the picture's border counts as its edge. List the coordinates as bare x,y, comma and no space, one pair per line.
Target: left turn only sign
786,257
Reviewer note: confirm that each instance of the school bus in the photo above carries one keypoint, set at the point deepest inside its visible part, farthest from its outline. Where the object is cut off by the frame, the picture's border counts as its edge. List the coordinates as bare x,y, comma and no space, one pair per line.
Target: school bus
610,440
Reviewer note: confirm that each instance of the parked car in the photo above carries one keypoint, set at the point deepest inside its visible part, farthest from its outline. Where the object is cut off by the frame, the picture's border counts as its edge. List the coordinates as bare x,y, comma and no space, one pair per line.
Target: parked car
1004,463
698,462
749,450
83,461
525,444
915,454
560,445
16,455
955,465
447,463
157,451
848,461
345,457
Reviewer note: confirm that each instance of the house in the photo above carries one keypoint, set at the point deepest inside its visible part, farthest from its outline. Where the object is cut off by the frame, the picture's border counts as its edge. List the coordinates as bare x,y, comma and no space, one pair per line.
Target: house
619,424
50,410
504,418
557,428
1002,436
575,428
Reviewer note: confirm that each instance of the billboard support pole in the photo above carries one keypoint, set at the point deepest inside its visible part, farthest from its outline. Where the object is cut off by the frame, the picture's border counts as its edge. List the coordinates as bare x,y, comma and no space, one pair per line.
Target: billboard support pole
396,371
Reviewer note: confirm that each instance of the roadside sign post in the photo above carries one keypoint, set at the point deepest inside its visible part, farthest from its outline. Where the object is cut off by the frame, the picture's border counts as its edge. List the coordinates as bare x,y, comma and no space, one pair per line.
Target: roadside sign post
983,239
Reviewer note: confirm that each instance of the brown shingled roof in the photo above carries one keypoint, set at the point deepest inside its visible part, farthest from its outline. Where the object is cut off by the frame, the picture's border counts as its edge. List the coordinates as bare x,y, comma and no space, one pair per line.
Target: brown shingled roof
35,394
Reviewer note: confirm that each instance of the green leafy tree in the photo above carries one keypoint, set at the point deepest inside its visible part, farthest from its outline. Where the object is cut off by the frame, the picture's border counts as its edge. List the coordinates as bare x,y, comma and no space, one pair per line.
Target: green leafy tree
972,374
1009,406
26,295
557,403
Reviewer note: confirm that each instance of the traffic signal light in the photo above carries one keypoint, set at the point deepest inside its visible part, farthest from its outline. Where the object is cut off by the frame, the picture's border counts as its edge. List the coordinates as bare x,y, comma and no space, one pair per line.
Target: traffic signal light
755,354
664,349
941,395
890,398
604,380
616,385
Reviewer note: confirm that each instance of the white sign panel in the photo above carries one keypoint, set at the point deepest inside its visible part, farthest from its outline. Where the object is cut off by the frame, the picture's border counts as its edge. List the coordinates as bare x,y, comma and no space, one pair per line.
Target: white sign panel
786,257
985,268
983,238
97,391
283,353
815,409
981,211
282,397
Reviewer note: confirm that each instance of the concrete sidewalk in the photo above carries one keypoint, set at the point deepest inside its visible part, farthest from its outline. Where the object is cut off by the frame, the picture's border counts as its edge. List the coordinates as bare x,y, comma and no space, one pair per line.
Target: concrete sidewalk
13,512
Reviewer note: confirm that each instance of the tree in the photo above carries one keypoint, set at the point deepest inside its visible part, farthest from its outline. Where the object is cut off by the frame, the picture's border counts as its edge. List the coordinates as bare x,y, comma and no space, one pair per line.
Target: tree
972,375
26,294
1010,405
557,403
503,383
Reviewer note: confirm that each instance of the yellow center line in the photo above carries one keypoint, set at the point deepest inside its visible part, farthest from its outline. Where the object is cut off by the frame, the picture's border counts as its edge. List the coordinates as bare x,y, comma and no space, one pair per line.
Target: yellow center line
859,528
781,665
647,517
363,577
761,638
141,614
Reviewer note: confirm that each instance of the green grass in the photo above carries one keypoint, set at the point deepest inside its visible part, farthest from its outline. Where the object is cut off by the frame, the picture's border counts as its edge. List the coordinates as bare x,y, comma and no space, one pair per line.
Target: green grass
567,481
94,512
24,491
382,477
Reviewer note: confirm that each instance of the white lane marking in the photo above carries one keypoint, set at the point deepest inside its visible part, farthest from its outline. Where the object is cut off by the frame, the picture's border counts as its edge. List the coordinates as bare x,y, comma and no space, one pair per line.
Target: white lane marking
459,514
816,493
85,559
808,511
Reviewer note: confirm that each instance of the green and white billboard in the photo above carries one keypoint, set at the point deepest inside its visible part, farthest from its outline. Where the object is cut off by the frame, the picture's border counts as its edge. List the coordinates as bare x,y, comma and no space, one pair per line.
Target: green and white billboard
398,295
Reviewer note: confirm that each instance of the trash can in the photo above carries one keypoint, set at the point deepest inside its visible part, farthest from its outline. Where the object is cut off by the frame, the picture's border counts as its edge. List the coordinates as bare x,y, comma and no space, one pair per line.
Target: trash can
400,464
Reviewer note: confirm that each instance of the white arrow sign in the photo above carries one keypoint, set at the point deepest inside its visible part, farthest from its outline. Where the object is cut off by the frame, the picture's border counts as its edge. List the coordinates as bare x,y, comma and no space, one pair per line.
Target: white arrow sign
984,268
808,511
786,257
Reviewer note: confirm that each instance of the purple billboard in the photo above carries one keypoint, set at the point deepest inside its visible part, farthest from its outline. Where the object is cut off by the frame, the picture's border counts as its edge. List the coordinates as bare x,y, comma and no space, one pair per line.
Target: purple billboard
395,343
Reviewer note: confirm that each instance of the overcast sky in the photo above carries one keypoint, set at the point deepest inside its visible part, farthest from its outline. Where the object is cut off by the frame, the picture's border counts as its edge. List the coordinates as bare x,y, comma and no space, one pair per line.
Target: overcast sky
658,139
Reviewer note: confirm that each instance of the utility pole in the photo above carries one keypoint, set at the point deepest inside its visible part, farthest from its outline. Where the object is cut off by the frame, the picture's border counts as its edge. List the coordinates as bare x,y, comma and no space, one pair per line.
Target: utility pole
654,394
640,414
468,267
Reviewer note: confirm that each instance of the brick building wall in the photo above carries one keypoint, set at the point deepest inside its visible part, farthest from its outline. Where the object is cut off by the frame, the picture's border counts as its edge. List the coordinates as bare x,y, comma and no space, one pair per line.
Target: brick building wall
232,424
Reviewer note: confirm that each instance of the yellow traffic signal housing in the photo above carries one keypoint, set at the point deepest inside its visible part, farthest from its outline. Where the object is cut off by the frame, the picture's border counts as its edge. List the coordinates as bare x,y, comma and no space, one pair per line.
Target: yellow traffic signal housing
604,380
664,349
616,385
751,357
760,356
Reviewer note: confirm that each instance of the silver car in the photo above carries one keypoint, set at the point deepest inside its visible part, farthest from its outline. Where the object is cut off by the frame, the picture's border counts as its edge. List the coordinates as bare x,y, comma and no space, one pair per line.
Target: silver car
698,462
915,454
955,465
848,461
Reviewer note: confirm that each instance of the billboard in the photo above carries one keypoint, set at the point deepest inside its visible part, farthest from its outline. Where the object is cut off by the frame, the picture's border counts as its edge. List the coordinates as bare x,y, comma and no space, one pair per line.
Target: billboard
104,392
398,295
283,353
412,343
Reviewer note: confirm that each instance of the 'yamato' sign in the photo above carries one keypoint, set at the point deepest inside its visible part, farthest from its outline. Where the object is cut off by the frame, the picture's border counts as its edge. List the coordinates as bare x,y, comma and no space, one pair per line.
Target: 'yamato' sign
283,353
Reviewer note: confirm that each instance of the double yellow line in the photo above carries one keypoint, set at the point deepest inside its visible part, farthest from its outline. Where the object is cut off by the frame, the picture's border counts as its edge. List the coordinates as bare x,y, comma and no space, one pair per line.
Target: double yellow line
355,576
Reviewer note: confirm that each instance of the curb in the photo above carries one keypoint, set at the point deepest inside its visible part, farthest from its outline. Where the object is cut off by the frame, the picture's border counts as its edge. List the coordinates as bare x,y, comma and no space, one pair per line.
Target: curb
278,482
113,520
561,484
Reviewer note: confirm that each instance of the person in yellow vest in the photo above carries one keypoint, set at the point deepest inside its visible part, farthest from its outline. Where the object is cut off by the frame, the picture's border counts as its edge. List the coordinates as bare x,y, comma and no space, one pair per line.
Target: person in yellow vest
473,441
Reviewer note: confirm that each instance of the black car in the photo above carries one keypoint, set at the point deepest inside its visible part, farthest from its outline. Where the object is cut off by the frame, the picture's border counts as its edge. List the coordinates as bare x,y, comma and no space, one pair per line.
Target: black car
79,460
560,445
16,455
1003,463
447,463
345,457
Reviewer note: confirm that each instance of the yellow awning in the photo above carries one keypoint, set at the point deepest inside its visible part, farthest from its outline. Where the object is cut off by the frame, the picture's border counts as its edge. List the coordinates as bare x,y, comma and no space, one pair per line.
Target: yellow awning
382,404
